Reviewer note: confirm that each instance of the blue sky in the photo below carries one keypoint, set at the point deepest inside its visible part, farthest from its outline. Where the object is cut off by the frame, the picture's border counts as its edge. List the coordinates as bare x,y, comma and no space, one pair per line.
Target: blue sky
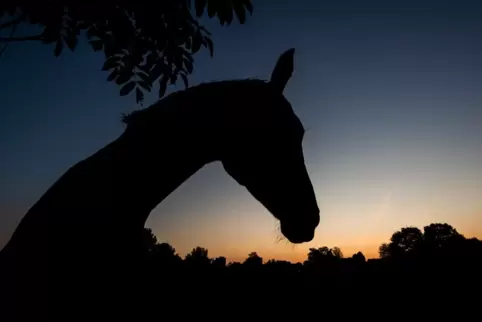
391,97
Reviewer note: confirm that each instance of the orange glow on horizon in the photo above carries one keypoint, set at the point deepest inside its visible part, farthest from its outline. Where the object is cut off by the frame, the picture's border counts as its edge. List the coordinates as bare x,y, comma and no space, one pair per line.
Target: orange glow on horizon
299,253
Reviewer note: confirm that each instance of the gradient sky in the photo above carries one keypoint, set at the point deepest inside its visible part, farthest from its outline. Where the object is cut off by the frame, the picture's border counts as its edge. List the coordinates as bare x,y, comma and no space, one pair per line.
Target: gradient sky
391,97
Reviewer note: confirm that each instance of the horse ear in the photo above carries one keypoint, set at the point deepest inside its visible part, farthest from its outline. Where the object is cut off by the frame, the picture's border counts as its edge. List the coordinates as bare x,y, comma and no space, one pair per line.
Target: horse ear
283,70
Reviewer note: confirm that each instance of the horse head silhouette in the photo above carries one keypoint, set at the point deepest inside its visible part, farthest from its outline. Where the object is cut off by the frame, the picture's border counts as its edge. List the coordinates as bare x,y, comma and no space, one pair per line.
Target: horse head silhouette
264,153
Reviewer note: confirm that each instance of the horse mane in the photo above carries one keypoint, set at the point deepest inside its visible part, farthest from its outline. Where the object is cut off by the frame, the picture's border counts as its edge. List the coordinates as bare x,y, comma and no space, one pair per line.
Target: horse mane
191,93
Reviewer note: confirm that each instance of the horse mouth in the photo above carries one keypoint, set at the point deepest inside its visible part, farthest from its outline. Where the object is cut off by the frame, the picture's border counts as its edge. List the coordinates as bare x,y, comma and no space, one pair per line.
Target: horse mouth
301,229
296,236
300,239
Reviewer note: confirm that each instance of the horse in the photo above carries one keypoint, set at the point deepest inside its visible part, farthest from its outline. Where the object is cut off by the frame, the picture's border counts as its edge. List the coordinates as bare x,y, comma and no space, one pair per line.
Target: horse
84,232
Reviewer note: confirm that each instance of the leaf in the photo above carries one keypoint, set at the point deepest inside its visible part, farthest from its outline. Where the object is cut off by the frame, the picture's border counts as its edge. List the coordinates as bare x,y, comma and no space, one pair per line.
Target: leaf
207,32
162,86
209,44
240,11
196,41
92,32
145,77
188,43
110,63
71,41
50,35
151,59
185,80
157,71
139,96
178,60
124,76
59,46
200,6
212,8
221,19
127,88
113,75
188,64
225,12
173,78
145,85
97,44
249,6
111,50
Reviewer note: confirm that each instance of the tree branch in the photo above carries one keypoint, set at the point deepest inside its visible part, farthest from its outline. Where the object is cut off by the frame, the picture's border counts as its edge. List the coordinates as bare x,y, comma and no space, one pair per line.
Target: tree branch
14,39
11,35
12,22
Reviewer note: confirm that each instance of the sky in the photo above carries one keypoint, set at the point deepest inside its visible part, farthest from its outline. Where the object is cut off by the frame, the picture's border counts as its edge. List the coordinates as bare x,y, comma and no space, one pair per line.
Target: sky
390,95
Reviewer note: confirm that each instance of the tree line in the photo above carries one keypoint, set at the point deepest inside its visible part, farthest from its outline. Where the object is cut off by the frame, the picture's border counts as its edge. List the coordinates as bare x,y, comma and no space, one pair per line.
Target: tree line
438,243
437,260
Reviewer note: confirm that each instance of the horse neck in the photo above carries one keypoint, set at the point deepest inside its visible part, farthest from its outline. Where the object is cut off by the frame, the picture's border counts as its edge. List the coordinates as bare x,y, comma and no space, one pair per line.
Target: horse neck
113,191
151,179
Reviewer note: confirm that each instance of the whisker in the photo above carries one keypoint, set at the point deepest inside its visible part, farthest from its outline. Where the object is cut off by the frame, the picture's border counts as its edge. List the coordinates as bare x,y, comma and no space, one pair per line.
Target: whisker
280,238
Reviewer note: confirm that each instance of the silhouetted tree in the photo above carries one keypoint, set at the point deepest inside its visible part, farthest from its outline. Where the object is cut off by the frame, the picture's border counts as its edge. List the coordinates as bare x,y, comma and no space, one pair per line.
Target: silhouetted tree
166,250
281,266
316,254
402,242
167,256
320,258
219,262
234,264
472,248
439,251
253,260
384,251
142,41
337,252
277,262
359,257
438,236
410,253
198,257
149,240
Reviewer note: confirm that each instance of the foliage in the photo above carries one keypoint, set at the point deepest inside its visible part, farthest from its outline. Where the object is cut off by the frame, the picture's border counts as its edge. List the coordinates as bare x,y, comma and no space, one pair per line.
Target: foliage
253,260
402,242
359,257
149,239
438,235
198,257
143,42
439,244
166,249
337,252
219,262
320,253
411,241
440,262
